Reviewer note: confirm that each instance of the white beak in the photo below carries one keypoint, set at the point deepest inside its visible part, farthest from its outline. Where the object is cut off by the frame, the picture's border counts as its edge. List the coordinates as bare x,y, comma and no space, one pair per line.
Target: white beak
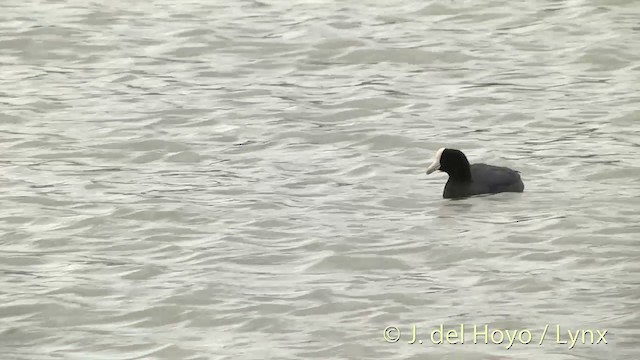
434,166
436,162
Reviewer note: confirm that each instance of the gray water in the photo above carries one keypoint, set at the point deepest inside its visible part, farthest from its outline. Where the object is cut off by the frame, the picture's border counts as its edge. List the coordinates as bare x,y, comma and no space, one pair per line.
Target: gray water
245,180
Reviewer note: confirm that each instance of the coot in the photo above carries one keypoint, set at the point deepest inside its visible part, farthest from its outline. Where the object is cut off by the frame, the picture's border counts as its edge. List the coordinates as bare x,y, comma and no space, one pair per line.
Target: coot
467,180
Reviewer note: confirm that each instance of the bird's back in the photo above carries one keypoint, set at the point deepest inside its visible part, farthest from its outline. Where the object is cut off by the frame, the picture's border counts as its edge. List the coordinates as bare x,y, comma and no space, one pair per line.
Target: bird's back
496,178
485,179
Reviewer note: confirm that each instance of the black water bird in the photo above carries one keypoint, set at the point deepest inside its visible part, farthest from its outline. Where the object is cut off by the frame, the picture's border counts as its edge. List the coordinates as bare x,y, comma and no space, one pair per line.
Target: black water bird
467,180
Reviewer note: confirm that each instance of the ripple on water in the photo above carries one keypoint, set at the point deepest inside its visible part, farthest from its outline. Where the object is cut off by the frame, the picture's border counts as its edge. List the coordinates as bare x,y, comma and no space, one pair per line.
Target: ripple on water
247,179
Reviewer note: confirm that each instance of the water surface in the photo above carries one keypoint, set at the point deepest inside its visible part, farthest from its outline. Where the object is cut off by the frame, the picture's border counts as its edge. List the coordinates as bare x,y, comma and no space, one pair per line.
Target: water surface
223,180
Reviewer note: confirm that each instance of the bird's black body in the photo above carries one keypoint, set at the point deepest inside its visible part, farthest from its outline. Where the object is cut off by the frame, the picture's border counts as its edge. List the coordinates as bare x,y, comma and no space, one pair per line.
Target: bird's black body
485,179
